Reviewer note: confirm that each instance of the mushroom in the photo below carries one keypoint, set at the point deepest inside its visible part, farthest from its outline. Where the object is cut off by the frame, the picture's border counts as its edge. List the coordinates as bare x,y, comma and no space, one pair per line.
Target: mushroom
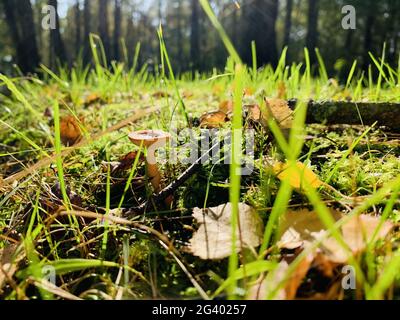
151,140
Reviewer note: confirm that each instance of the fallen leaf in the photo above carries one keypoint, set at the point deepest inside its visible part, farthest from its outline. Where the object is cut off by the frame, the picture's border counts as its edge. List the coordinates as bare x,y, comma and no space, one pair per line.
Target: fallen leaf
303,228
92,98
226,106
297,175
253,111
70,131
278,110
127,161
248,91
213,119
357,233
300,228
213,240
160,94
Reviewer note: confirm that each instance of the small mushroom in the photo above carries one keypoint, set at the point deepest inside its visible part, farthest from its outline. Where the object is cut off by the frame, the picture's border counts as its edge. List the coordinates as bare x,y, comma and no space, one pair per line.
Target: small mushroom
151,140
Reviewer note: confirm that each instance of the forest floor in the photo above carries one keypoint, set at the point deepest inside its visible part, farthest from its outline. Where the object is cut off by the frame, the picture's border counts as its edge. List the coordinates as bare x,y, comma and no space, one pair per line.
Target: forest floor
315,209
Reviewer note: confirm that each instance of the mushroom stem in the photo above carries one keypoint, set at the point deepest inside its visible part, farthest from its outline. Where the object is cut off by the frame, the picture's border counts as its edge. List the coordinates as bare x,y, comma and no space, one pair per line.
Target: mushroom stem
154,175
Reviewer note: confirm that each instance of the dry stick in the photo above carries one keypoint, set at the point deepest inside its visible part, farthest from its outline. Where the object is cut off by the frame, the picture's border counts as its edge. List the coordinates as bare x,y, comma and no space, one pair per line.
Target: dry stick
170,189
164,241
47,161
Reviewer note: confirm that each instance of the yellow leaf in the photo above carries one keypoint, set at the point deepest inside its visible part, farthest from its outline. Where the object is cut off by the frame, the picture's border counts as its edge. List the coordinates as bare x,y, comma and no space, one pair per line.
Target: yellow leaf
298,175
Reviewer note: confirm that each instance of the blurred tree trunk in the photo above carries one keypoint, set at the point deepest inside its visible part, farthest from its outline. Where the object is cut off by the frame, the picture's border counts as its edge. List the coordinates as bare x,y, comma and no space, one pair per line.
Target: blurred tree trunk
195,36
368,36
260,25
19,18
104,26
288,22
117,29
78,36
312,29
86,31
179,34
57,48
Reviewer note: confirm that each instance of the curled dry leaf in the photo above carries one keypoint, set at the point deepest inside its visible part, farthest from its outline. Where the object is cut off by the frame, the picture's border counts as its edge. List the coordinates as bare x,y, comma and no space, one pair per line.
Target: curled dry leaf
226,106
253,112
302,228
299,175
70,131
212,120
213,240
279,110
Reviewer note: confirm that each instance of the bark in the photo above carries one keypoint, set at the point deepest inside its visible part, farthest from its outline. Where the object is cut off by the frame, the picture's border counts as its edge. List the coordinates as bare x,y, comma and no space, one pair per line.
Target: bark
104,25
117,29
57,48
288,22
195,36
86,31
19,18
259,21
312,29
78,35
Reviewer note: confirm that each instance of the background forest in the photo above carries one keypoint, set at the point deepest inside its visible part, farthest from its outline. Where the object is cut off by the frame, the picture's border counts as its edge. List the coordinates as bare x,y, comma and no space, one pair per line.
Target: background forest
191,41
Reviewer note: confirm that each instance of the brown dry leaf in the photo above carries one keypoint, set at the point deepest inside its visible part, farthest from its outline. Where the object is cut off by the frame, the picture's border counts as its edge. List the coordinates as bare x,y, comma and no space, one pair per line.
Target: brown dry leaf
279,110
213,119
213,240
248,91
160,94
226,106
70,131
187,94
7,263
254,112
92,98
302,228
294,282
357,233
127,161
298,175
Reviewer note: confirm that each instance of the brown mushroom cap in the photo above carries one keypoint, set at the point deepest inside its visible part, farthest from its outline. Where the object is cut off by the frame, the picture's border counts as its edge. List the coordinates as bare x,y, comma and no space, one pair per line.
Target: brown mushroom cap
148,137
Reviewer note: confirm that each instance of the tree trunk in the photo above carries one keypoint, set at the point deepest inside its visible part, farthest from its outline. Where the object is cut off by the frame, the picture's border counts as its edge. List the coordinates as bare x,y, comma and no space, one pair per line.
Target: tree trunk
57,49
312,29
117,29
288,22
195,36
368,39
260,25
86,31
19,18
78,28
104,26
179,34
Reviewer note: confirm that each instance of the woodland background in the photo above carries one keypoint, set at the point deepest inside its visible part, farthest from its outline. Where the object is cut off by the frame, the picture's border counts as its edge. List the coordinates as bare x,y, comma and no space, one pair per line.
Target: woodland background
192,42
